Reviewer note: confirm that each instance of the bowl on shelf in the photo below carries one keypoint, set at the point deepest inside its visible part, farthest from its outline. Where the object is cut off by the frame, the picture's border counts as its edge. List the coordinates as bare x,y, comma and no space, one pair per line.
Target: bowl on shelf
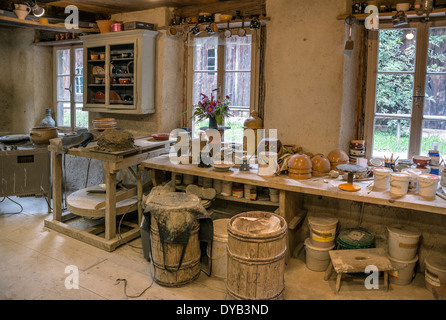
222,167
226,17
421,161
124,80
161,136
94,57
104,123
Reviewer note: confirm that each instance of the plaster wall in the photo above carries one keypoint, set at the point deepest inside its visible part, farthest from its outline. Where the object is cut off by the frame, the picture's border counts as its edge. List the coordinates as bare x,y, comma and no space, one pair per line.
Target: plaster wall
26,81
304,75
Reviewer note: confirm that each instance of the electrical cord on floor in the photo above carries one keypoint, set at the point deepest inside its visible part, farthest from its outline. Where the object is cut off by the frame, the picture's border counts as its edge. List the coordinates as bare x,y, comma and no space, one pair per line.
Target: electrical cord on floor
119,232
125,288
21,208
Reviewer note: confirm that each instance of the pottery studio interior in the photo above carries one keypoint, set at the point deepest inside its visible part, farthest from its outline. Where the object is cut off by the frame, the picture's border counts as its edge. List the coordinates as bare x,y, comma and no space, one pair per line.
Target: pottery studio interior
223,150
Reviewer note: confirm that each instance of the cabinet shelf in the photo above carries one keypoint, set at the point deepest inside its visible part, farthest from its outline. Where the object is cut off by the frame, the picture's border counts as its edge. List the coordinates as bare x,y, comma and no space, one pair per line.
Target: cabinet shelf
388,15
136,97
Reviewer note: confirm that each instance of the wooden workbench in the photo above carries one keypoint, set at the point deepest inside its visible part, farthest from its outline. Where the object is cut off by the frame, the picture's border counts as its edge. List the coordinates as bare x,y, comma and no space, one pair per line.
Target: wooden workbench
291,190
112,163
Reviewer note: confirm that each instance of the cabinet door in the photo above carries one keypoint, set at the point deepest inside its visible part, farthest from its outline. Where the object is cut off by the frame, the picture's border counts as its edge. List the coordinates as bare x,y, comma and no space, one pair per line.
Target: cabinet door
95,76
122,80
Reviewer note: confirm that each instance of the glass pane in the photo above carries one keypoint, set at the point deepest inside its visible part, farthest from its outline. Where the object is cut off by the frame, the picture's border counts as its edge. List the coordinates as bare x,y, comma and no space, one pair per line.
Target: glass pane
63,114
63,62
238,88
394,93
434,132
81,116
238,53
63,83
436,58
78,74
435,95
397,50
205,53
391,136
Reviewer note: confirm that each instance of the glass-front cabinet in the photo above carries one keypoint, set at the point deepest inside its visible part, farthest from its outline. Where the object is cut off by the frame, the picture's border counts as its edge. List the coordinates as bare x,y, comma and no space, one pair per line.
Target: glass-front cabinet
119,72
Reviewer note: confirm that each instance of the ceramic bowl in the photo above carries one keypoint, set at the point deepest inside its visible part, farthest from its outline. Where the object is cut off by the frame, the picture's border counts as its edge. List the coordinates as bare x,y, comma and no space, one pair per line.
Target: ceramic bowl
300,161
161,136
124,80
337,156
222,167
42,135
301,176
421,161
320,164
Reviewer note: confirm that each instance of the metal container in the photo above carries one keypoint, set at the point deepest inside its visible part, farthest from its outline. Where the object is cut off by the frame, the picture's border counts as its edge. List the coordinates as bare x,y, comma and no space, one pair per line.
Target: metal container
117,27
138,25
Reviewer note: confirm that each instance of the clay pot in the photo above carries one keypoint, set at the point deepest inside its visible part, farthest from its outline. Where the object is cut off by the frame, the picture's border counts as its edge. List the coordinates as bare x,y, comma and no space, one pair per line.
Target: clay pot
300,162
253,122
42,135
337,156
320,164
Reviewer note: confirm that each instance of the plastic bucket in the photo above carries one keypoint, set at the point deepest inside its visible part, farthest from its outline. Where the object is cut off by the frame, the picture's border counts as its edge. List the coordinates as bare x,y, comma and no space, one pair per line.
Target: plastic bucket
428,185
399,184
355,239
381,178
403,241
322,231
435,274
316,259
413,180
404,271
219,254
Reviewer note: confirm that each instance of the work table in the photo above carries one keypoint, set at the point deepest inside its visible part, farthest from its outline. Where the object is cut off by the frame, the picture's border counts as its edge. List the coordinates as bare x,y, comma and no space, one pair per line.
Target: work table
316,186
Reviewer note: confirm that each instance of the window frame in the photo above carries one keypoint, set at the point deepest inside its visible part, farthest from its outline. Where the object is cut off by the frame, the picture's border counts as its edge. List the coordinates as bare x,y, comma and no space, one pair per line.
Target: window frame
72,49
418,94
255,69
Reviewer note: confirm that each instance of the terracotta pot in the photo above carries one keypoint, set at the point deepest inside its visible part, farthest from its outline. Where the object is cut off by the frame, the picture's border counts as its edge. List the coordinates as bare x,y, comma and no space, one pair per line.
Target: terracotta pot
321,164
337,156
42,135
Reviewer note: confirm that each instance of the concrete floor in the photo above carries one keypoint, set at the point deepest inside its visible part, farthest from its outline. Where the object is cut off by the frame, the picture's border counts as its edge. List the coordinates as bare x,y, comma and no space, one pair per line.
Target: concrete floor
34,260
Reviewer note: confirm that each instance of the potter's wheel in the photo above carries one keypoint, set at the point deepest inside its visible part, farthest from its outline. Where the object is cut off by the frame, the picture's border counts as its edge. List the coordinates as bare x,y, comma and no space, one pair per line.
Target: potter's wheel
14,138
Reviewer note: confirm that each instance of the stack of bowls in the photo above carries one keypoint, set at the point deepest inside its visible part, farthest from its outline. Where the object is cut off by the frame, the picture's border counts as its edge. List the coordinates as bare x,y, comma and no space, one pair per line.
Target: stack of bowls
299,167
357,150
320,166
337,157
104,123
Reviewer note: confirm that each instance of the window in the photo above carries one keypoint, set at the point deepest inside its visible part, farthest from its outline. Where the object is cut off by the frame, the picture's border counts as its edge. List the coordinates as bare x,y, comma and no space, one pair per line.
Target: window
68,80
406,91
221,67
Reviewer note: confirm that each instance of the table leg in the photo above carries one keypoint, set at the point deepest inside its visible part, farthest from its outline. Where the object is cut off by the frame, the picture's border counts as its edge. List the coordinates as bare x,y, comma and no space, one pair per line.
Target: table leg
338,283
56,172
110,201
386,280
329,271
139,193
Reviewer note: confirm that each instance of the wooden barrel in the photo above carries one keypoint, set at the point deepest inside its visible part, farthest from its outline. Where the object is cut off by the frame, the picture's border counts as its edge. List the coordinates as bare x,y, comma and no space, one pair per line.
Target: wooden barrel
166,271
256,260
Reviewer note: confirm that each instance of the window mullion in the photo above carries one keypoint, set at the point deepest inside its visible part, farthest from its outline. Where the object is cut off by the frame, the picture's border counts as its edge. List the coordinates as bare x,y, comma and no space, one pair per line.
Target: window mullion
419,89
221,70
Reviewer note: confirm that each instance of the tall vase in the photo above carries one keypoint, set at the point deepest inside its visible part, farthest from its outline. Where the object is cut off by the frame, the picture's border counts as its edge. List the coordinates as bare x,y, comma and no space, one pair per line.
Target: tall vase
213,123
48,121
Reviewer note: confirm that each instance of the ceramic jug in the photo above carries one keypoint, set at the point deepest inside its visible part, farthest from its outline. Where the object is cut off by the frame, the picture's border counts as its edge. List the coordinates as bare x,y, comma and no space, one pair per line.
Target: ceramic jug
21,10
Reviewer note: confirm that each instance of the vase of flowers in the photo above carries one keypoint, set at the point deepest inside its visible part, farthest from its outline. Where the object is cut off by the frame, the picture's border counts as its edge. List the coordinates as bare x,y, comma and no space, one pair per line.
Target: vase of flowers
212,109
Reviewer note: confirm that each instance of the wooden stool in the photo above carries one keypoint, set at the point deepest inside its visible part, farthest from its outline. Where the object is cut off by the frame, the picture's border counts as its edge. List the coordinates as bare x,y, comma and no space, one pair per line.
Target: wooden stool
355,261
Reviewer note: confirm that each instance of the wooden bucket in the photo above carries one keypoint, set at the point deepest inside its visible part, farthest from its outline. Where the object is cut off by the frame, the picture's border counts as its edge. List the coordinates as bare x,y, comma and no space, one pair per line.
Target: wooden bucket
256,262
166,271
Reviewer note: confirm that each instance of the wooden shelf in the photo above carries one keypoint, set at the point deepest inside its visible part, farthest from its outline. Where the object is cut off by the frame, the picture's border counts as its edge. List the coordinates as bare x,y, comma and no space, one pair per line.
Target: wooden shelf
388,15
30,23
220,25
58,43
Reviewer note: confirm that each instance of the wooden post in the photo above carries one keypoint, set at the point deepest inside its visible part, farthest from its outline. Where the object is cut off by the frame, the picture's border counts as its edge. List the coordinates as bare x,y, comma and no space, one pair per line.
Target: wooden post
56,172
110,201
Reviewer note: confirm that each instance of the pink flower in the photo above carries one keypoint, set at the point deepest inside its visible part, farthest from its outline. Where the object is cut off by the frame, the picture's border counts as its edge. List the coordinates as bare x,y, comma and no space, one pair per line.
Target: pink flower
210,109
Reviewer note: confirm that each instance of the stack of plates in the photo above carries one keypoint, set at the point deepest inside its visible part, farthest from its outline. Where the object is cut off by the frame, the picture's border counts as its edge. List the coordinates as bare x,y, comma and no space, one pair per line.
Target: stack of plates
104,123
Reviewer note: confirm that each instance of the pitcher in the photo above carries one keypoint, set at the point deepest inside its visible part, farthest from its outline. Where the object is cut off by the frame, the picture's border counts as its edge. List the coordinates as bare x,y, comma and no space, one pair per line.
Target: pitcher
21,10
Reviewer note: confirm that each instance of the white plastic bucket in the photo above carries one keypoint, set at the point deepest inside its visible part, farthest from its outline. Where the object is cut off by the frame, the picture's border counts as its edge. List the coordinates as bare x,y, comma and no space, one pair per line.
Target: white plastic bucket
219,248
381,177
435,274
403,241
399,184
322,231
428,185
413,180
316,259
404,271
